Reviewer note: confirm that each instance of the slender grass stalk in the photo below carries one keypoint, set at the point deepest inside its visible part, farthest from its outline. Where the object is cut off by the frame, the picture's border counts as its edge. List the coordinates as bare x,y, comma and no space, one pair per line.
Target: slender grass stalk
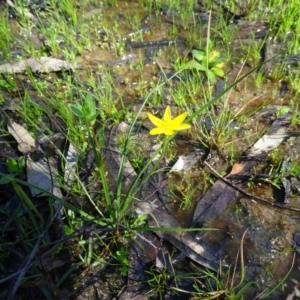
267,293
24,197
105,187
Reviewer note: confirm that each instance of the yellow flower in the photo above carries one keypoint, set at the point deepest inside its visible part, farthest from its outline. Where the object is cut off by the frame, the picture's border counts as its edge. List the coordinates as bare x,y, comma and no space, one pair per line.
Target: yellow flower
166,125
214,56
220,65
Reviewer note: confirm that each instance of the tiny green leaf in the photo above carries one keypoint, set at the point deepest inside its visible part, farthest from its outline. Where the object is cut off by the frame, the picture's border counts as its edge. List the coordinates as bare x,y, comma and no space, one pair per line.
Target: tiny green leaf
198,54
210,76
21,162
217,71
86,110
200,67
89,104
194,65
216,62
283,110
4,180
76,110
12,165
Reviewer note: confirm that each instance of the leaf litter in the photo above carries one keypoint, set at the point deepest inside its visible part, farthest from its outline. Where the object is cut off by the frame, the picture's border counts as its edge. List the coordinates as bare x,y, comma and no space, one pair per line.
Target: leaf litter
42,175
159,212
42,65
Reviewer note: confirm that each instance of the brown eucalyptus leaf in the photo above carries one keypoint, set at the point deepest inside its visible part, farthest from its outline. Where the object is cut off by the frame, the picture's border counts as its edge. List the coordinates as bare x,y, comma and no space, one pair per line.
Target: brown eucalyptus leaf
182,240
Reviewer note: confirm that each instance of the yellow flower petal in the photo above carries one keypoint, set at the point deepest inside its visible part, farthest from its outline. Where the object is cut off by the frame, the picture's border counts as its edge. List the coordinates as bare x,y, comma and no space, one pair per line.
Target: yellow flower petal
167,115
178,120
156,121
158,130
182,126
213,55
166,125
169,131
220,65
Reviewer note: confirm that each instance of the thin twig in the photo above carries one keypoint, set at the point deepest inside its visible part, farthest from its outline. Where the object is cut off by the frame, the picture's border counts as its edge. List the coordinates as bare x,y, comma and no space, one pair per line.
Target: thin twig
242,191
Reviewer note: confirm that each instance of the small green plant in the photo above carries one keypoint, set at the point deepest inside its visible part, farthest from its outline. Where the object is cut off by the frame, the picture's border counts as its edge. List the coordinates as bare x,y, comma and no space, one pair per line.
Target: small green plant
122,258
86,111
7,82
158,282
208,62
15,169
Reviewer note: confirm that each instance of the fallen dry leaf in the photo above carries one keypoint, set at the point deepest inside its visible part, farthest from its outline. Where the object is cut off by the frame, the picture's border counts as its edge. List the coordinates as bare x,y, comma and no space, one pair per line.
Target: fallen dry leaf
43,65
24,139
42,176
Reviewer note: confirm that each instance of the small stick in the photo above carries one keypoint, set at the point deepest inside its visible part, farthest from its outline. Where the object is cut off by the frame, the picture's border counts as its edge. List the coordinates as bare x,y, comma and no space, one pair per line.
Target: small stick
249,194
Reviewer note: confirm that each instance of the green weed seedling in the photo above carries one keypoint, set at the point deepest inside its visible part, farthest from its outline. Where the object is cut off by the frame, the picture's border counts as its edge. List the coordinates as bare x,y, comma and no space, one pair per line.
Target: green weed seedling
158,282
15,168
122,258
7,82
208,62
86,111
